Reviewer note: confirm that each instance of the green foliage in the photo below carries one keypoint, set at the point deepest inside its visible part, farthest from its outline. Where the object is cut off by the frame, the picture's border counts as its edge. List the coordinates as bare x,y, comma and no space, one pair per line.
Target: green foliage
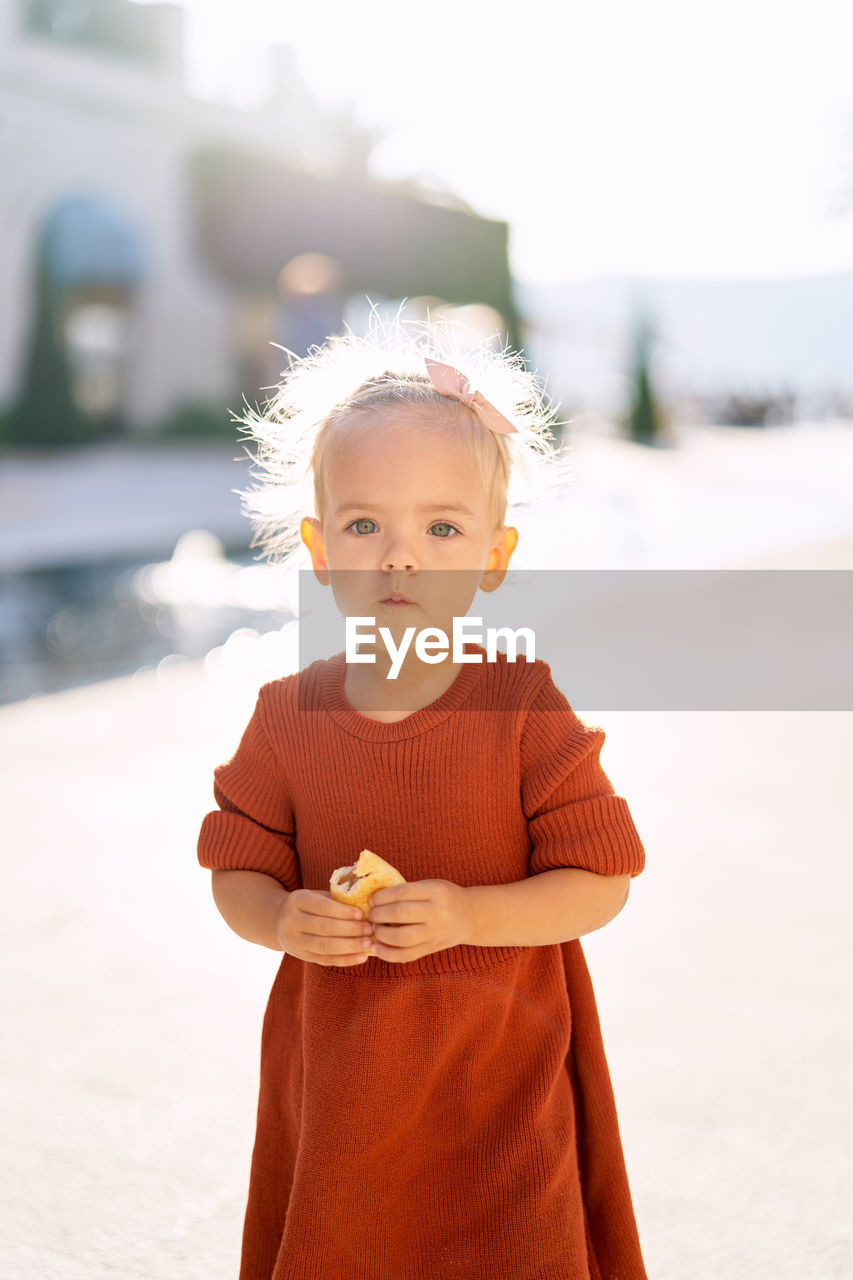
742,410
5,427
44,413
197,420
644,421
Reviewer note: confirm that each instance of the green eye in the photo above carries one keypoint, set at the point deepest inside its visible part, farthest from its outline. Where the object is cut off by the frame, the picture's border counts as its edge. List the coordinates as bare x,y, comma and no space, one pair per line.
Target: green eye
358,526
445,530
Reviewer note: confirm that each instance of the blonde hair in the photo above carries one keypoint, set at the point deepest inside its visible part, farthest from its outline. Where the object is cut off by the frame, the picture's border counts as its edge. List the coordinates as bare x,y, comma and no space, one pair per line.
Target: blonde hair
341,388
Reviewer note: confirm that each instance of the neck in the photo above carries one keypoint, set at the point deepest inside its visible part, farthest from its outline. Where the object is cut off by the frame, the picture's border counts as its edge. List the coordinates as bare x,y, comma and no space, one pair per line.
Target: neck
417,684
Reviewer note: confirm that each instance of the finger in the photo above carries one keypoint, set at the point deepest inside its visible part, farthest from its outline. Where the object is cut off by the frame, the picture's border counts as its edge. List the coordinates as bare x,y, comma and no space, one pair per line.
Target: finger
414,891
401,936
315,903
325,947
331,926
398,913
338,962
397,955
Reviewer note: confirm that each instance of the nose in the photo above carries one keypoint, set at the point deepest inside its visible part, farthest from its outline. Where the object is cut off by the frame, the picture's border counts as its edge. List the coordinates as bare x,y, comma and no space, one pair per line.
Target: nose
400,555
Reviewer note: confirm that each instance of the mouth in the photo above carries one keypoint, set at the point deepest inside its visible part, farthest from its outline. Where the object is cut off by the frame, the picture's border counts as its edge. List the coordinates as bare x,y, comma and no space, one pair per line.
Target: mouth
396,600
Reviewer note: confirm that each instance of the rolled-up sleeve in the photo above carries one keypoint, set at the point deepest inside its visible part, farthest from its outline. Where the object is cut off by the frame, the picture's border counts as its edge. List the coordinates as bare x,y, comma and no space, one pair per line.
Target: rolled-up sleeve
253,828
574,817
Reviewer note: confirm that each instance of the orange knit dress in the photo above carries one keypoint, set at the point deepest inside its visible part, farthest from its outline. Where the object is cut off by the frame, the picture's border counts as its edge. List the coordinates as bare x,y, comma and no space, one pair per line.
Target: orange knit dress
451,1117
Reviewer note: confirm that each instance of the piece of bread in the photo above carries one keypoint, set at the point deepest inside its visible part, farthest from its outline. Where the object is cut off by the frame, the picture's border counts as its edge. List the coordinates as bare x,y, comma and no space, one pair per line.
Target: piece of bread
356,885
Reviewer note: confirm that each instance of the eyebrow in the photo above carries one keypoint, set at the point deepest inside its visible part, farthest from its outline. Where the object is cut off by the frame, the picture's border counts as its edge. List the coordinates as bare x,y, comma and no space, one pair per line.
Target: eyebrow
423,508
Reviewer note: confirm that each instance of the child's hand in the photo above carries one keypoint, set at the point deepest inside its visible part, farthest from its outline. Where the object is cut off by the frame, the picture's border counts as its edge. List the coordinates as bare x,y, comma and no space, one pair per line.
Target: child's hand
311,926
413,920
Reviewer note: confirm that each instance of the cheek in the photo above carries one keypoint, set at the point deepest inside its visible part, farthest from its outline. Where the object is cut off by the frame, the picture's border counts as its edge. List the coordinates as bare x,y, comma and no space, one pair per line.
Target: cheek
351,600
453,591
343,549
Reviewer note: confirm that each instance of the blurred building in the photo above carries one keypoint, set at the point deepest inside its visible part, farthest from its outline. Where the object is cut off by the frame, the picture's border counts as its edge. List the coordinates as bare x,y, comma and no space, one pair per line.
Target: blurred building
179,237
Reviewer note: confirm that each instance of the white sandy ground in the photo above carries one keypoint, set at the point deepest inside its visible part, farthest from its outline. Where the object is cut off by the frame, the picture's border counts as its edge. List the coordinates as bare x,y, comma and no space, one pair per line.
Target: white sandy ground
131,1015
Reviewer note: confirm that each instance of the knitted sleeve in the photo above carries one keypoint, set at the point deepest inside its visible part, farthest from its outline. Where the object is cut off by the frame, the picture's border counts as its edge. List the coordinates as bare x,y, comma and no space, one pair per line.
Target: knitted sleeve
574,817
254,827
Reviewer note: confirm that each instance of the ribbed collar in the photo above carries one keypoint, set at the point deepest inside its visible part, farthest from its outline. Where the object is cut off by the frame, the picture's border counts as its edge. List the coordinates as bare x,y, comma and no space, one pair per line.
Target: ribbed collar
426,718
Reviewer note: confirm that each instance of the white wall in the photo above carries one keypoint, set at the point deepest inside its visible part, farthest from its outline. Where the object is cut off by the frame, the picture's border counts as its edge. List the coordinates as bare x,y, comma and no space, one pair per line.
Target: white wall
73,122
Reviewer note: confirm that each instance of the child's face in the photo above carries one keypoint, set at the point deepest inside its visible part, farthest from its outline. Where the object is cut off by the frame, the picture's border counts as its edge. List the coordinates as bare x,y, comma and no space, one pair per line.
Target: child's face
403,499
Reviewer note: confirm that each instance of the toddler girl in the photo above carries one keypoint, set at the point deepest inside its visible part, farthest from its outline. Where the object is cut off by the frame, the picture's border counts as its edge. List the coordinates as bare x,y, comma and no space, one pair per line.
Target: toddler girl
434,1097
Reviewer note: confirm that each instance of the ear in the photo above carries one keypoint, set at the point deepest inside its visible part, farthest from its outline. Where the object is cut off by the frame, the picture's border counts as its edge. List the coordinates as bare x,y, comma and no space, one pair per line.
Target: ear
311,533
506,540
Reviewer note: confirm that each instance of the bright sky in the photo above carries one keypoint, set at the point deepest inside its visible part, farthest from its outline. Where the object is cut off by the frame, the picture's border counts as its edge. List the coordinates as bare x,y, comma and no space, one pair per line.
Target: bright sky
660,139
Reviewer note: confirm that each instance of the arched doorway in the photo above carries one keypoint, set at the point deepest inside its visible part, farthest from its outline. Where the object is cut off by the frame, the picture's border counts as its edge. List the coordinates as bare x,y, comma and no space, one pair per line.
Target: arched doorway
90,262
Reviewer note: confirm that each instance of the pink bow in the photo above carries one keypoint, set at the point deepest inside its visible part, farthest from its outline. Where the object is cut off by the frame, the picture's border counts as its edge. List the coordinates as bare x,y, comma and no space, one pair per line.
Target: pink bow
450,382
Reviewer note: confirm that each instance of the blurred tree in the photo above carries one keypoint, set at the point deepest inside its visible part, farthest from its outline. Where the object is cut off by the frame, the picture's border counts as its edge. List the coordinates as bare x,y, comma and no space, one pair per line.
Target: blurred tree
771,409
44,412
644,421
196,420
